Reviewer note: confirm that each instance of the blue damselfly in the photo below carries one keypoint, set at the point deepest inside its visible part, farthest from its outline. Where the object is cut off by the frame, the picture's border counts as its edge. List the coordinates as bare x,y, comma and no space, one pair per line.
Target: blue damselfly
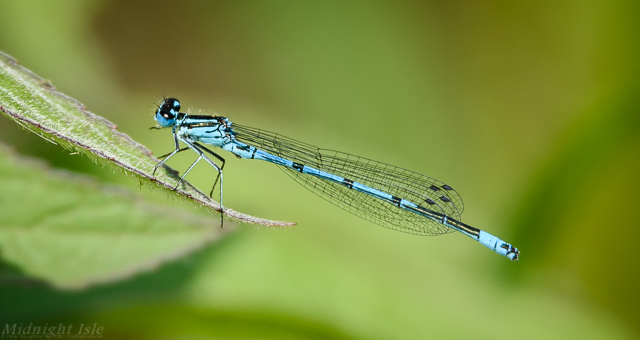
390,196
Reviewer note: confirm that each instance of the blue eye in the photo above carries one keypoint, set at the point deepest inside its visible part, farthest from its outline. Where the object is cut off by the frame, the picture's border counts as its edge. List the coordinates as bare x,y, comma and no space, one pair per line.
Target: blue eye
167,112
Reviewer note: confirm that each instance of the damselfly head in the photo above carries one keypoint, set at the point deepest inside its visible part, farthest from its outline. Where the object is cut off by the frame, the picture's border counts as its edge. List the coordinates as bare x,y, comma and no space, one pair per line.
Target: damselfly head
167,112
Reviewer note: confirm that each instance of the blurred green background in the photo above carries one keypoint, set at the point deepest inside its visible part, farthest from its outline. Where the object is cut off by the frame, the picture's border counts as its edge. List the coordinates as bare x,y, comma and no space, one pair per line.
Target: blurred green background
530,110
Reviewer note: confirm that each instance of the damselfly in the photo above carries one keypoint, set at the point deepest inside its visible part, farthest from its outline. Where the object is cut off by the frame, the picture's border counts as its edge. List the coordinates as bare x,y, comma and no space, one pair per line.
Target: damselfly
392,197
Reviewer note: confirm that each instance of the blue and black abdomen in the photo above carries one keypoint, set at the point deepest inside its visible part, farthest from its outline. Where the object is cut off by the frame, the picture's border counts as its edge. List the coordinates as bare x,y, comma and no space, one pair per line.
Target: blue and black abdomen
375,191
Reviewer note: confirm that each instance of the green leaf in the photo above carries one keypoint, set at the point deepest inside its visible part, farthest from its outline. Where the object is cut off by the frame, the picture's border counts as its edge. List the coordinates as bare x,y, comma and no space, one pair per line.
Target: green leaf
35,104
71,231
193,322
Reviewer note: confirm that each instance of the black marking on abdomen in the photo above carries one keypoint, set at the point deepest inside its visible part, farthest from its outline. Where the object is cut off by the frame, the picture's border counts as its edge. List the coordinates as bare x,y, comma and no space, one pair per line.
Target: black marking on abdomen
434,188
298,166
446,187
396,200
427,212
421,208
430,201
348,183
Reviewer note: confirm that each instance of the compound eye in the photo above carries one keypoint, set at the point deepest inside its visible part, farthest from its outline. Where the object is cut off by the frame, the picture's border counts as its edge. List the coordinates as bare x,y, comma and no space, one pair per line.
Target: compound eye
167,115
172,104
167,112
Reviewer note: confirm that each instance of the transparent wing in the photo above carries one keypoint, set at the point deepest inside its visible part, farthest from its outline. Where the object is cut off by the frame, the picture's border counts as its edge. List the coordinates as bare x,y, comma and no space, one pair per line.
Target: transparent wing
412,186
